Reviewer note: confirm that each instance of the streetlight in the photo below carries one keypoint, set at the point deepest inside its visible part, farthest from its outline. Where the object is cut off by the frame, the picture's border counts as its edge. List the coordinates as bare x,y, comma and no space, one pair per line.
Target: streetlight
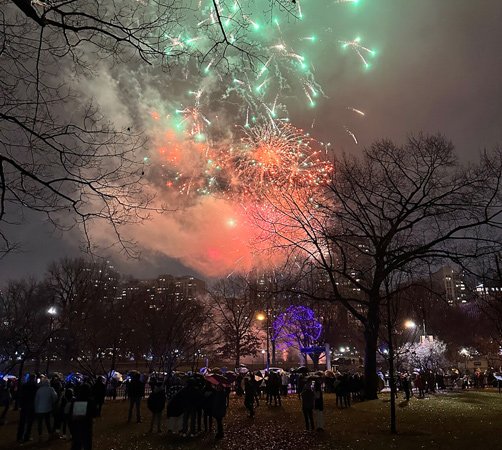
464,352
264,317
410,324
52,311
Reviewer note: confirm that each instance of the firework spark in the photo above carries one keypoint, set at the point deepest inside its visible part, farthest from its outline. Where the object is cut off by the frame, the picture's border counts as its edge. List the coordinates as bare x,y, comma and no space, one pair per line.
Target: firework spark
361,51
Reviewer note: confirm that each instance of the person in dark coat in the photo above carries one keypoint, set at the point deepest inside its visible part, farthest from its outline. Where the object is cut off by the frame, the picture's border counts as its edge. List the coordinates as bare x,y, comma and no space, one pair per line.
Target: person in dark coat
26,394
65,409
189,395
274,388
318,406
81,419
308,399
249,396
219,408
156,402
99,394
207,406
174,401
135,392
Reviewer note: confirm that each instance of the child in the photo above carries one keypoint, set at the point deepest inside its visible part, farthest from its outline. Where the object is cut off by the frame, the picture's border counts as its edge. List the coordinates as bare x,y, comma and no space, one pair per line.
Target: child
64,409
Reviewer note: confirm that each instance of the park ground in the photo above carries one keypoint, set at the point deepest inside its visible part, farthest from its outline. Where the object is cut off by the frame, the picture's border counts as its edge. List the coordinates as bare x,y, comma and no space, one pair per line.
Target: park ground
454,420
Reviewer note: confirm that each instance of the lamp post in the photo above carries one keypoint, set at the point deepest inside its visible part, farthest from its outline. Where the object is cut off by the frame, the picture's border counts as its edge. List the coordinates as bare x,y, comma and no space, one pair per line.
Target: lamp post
52,312
410,325
465,353
264,317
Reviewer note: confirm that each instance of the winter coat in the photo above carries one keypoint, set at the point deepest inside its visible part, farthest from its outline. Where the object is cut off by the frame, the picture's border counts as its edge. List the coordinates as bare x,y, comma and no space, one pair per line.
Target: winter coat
4,393
45,398
175,402
156,400
99,392
136,389
219,404
249,392
27,396
308,398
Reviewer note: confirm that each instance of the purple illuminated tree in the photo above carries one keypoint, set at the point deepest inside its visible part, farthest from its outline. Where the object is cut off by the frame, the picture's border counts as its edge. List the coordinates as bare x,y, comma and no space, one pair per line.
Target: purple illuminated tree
297,327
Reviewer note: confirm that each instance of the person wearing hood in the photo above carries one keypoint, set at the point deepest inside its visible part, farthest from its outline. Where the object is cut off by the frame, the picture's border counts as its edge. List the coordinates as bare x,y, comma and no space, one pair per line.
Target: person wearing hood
45,400
308,401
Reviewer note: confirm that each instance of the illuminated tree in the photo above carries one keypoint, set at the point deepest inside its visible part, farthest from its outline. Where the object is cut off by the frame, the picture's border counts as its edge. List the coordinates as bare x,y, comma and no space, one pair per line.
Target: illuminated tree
426,355
297,327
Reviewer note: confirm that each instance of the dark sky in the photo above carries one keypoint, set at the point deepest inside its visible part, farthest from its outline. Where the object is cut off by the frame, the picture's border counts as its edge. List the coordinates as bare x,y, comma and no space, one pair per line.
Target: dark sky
438,69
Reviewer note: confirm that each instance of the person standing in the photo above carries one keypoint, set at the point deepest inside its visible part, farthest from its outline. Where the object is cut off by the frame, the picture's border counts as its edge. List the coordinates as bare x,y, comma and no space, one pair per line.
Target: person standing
156,402
45,400
174,401
135,392
65,405
318,406
249,395
406,385
219,408
99,394
308,399
82,413
26,396
284,383
5,398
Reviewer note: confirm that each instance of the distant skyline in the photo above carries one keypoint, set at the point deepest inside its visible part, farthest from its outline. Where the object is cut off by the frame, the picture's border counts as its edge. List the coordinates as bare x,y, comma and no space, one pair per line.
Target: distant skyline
438,70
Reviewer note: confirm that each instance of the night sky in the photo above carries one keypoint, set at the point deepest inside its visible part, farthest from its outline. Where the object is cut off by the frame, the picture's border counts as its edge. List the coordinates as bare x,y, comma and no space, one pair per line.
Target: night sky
438,69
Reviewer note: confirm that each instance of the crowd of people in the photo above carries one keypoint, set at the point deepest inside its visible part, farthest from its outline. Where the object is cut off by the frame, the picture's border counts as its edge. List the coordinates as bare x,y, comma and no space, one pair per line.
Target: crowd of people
58,408
192,402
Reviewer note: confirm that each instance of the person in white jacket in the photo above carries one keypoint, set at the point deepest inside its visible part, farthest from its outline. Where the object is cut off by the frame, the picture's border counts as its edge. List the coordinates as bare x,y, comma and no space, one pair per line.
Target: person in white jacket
45,400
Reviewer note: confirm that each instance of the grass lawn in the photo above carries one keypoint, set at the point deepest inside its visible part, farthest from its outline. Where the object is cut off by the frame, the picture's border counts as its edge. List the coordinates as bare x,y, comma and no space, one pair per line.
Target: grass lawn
462,420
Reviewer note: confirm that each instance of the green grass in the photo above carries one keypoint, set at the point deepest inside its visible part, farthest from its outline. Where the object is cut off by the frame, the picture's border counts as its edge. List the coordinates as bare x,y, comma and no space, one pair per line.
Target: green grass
465,420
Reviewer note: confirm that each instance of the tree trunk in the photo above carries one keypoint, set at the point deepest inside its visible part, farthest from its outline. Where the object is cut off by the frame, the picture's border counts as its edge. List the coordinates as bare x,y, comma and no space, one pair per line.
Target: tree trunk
272,341
237,355
392,380
370,363
315,360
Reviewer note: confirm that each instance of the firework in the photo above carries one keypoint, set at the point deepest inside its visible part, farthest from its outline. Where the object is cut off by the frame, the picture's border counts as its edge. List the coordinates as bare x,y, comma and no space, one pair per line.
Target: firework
363,52
274,156
270,156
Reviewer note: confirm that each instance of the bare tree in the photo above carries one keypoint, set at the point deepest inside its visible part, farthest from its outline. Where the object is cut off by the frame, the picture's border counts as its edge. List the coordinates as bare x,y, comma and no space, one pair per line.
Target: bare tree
59,155
384,213
232,312
166,330
84,294
25,330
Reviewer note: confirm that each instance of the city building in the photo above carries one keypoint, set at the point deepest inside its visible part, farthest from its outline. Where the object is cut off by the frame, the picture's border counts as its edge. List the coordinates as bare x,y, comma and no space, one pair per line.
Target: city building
451,284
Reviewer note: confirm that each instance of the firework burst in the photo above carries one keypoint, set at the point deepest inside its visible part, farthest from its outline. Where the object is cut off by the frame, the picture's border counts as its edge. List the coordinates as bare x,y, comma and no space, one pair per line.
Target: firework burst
276,155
